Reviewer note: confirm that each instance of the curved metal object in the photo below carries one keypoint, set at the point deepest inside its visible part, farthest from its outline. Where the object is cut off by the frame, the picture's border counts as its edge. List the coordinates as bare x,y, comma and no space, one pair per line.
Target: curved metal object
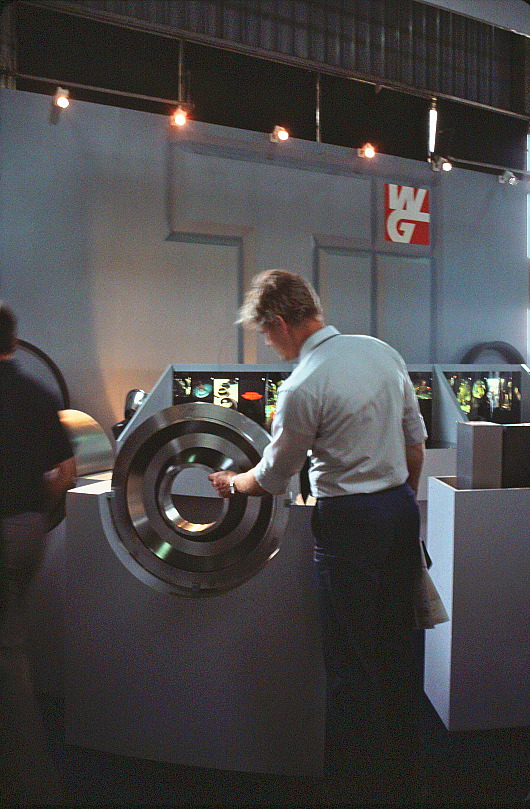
92,449
27,351
508,353
92,452
169,517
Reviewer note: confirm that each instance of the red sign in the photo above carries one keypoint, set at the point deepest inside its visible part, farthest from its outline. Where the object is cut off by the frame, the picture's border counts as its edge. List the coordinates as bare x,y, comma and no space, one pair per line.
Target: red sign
407,214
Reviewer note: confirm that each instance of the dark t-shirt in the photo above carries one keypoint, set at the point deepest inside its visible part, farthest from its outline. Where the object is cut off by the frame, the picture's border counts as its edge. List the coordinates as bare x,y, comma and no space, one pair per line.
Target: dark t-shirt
32,440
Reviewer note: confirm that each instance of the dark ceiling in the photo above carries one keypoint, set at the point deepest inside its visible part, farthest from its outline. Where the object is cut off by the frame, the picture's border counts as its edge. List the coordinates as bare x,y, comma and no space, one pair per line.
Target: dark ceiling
237,90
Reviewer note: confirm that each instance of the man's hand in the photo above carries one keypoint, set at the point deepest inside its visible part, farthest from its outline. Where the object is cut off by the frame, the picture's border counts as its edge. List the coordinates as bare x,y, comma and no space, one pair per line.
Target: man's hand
246,483
221,482
60,479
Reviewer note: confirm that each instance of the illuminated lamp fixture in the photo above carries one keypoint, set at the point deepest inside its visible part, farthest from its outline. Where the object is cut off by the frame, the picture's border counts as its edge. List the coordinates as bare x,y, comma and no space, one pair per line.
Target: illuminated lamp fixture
440,163
278,134
61,98
180,116
366,151
433,122
508,177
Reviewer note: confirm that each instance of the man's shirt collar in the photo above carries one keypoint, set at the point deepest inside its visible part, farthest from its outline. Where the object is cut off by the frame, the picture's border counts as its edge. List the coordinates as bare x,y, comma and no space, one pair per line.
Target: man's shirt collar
315,339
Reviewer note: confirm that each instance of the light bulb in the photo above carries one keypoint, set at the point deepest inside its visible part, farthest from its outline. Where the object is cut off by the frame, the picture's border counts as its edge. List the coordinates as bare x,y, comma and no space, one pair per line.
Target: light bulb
179,117
61,98
279,133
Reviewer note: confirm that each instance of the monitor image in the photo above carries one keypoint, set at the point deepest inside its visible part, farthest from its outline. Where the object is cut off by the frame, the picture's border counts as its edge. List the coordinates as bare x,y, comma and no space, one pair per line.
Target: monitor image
488,395
253,393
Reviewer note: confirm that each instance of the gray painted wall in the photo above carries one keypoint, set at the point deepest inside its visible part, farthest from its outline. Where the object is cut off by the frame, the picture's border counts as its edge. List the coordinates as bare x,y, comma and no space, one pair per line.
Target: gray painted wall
125,244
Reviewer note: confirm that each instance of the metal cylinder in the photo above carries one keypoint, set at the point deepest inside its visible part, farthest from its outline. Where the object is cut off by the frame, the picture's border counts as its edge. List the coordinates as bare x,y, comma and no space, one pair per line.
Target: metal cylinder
92,452
92,449
167,513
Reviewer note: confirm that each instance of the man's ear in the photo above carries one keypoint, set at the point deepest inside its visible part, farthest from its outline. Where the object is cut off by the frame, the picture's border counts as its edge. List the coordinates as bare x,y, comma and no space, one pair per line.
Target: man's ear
281,324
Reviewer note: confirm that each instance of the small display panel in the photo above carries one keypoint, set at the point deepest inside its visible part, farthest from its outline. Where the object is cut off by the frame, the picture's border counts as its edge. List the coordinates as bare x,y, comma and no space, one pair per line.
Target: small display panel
254,393
422,382
488,395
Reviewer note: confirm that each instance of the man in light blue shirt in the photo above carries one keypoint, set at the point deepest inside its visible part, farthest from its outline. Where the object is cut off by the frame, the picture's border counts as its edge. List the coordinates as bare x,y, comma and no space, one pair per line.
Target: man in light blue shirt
349,402
345,402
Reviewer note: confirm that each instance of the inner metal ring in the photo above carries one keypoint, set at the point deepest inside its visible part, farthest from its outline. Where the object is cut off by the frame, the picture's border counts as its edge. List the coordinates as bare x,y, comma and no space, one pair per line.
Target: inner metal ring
191,514
167,513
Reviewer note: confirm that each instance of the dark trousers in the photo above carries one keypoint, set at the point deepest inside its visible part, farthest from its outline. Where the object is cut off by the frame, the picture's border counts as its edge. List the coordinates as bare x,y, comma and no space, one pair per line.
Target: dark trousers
367,554
27,772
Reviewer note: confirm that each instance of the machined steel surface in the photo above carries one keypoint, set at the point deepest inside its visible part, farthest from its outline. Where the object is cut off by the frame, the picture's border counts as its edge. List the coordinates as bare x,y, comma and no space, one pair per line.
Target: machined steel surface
167,513
92,449
92,452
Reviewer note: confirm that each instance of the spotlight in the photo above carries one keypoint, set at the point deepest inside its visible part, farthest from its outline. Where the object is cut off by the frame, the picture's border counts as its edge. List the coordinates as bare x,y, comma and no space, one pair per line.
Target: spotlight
366,151
508,177
440,163
279,133
61,98
180,116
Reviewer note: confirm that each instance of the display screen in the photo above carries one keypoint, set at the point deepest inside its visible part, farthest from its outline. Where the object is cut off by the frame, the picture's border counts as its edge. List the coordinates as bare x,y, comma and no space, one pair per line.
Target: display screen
254,393
488,395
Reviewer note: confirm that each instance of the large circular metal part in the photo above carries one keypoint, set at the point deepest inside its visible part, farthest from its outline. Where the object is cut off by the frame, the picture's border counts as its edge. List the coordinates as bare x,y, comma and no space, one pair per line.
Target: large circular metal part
167,513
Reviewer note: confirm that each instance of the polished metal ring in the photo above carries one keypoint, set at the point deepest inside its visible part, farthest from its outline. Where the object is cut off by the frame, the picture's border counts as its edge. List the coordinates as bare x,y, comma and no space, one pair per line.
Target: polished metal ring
168,515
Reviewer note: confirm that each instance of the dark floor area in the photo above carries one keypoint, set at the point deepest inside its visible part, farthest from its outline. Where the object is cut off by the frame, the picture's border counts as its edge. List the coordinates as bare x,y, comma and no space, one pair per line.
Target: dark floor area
487,768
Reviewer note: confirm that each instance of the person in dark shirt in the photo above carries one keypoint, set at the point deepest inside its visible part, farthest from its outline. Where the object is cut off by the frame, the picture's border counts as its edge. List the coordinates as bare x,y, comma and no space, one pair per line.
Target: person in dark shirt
37,467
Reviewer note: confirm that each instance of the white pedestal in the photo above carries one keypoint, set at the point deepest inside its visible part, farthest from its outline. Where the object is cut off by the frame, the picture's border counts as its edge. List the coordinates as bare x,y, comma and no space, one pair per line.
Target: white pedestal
439,462
477,665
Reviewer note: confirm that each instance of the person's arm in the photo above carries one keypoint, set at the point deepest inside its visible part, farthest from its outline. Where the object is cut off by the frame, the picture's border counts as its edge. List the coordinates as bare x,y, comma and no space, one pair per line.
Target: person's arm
61,478
284,457
415,454
244,483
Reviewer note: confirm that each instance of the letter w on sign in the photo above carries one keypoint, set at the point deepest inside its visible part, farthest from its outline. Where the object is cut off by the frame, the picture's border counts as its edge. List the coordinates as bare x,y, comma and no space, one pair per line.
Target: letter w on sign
407,214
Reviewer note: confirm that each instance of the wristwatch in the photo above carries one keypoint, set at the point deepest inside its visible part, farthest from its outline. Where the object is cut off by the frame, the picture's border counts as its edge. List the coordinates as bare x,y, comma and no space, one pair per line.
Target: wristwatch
233,489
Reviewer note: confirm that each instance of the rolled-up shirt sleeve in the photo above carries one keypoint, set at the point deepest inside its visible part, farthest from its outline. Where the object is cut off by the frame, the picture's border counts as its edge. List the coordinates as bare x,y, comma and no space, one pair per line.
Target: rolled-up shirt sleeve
287,452
282,458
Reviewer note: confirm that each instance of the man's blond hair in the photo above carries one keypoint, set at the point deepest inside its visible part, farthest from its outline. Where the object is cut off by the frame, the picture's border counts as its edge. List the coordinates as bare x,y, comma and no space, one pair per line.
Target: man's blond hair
278,292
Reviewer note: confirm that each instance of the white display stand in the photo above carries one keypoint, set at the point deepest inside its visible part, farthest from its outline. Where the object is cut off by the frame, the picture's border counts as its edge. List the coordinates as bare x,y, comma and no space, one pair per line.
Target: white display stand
477,666
439,462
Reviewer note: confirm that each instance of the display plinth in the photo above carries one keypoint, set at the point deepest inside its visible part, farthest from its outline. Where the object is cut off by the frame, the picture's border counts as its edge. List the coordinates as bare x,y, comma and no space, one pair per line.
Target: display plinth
477,664
232,682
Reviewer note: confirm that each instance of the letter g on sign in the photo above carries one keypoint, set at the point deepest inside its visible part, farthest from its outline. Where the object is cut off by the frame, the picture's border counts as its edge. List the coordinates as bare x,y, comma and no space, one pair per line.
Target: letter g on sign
407,214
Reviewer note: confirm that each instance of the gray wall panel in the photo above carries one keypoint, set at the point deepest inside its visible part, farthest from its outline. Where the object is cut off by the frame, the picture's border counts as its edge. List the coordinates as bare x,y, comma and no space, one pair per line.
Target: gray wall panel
481,255
116,234
404,305
345,287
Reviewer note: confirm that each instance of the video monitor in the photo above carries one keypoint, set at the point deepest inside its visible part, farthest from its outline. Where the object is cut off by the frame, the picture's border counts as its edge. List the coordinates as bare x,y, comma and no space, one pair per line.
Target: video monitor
422,382
252,393
488,395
